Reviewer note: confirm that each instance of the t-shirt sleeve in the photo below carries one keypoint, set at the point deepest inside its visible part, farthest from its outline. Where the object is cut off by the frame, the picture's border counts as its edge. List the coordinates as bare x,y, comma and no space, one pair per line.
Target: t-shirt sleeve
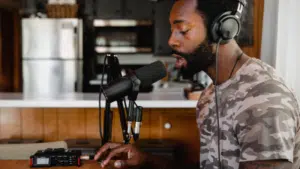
266,124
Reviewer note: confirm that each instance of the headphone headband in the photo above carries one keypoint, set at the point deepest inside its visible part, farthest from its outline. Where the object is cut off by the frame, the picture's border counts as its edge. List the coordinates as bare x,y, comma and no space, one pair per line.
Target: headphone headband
227,25
240,8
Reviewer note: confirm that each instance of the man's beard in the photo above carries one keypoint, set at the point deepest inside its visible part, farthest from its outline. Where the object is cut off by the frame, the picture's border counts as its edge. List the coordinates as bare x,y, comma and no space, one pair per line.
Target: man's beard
200,60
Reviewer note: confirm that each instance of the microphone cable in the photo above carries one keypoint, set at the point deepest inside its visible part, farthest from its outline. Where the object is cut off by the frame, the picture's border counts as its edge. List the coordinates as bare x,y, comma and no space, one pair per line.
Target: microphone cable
100,93
217,102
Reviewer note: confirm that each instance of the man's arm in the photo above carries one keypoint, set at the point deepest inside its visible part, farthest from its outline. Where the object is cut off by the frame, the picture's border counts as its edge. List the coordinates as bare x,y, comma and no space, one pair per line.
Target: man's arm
272,164
267,127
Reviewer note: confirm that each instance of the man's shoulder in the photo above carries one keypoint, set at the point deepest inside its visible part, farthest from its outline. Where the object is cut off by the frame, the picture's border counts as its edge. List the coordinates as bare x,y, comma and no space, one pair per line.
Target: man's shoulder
266,83
257,78
258,71
262,92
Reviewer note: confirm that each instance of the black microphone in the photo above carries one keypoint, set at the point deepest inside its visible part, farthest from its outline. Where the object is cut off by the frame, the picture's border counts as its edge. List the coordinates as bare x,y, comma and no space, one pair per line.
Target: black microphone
143,77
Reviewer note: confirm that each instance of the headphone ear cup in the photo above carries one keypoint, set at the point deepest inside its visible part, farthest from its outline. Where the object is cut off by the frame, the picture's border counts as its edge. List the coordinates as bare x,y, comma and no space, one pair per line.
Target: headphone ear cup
230,27
226,27
214,31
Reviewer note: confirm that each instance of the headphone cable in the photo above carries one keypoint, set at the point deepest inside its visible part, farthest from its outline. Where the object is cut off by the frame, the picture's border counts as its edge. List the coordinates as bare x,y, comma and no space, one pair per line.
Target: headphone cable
216,95
216,100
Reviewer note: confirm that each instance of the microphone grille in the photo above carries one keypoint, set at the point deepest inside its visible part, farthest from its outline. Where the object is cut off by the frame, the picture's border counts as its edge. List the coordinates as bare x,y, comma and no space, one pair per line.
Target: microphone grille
151,73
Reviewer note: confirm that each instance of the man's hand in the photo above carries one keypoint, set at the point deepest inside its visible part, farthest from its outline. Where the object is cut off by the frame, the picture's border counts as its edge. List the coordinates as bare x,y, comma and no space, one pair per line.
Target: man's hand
135,157
272,164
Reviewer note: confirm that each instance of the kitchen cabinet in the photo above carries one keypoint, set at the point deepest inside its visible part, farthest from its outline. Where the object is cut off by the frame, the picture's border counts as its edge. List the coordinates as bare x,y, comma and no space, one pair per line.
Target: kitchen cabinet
57,124
10,51
179,125
11,4
138,9
162,28
126,9
87,7
108,9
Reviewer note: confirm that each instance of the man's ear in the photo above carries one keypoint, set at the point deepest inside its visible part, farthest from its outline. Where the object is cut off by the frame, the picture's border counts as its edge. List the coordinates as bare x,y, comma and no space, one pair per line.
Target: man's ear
213,47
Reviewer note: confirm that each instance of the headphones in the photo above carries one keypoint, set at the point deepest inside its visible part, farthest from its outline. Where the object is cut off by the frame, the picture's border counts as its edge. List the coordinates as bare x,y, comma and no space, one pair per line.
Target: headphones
227,25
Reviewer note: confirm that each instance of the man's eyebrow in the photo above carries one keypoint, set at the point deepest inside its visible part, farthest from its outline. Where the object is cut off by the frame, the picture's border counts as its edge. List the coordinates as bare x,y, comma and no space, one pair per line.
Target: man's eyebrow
178,21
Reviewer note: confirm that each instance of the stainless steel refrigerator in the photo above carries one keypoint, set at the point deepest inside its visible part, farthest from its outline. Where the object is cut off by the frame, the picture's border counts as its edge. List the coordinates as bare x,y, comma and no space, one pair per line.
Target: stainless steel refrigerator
51,56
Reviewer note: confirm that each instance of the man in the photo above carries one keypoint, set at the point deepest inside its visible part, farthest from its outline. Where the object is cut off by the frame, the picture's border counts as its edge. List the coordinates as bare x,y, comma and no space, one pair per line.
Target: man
258,115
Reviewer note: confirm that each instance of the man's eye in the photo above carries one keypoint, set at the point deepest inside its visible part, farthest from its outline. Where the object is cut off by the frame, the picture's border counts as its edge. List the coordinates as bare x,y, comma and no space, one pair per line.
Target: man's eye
184,32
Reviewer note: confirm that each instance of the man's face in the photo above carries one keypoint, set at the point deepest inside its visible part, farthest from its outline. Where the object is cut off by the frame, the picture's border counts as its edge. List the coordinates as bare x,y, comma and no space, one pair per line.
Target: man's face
188,33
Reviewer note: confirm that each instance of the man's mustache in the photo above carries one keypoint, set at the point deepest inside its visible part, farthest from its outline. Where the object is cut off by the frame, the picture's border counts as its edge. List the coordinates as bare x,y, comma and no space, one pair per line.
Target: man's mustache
184,55
201,49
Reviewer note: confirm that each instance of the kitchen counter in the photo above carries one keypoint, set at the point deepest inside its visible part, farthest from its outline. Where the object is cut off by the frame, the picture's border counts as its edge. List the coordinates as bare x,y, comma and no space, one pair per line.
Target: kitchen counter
164,98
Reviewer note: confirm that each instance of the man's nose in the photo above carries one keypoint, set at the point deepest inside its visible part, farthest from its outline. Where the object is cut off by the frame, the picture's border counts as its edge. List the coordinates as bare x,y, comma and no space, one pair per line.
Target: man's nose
173,42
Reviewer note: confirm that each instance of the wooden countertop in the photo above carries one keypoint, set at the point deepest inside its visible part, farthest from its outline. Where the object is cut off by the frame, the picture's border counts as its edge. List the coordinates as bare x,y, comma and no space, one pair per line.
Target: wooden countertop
157,99
24,164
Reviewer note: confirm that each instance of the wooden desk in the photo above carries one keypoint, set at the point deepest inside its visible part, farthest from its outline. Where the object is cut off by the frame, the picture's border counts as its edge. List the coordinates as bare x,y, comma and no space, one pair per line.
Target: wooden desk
24,164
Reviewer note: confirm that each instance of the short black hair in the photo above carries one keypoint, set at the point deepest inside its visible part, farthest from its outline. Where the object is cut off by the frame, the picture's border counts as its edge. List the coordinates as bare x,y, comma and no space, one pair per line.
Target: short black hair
211,9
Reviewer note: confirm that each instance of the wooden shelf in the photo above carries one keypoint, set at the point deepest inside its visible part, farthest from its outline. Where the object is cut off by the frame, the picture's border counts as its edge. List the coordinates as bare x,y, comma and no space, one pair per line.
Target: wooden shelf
10,4
122,49
121,23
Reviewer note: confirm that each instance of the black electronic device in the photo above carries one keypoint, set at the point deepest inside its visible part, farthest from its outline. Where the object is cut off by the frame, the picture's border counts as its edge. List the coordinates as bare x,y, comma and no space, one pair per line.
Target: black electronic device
227,25
55,157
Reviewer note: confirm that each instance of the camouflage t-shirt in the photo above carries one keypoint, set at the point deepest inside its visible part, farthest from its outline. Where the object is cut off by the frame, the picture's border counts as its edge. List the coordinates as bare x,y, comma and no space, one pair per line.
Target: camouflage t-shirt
259,119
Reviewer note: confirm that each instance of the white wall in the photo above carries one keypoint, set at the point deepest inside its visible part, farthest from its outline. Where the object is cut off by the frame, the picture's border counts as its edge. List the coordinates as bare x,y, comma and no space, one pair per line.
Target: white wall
269,32
281,39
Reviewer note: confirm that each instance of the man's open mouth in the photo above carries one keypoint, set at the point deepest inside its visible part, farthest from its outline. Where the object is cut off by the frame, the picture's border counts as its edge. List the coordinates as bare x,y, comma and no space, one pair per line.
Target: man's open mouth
180,61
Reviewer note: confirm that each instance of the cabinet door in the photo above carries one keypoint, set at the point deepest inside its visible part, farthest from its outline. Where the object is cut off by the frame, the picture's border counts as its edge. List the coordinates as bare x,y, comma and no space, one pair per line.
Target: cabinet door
138,9
178,125
108,9
162,27
89,6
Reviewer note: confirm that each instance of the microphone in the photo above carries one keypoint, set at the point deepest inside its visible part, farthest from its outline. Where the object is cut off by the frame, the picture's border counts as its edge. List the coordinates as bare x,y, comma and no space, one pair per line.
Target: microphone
143,77
138,121
130,85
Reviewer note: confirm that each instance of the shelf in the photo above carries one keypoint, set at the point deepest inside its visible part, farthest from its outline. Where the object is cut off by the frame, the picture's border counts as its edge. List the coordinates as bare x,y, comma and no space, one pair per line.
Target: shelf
121,23
120,49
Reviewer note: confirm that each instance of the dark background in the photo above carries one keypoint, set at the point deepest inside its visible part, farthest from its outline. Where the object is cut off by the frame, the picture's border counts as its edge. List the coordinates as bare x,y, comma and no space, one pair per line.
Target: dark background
246,37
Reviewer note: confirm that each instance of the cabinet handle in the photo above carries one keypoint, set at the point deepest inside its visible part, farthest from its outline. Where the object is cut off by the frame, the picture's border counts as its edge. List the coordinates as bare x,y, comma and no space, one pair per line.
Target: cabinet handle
167,126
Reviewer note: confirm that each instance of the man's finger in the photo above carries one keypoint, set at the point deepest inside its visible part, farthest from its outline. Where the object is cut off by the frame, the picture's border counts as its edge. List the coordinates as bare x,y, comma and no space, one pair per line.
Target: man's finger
126,163
104,148
120,164
114,152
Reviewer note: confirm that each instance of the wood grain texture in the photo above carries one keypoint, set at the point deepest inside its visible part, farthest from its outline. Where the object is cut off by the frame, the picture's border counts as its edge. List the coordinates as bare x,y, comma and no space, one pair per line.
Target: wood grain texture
92,123
183,128
50,132
10,123
71,124
1,70
17,69
57,124
10,5
10,57
24,164
32,121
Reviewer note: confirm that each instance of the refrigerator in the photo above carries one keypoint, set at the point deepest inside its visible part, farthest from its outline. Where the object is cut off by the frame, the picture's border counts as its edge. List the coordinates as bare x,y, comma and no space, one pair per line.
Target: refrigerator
52,61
